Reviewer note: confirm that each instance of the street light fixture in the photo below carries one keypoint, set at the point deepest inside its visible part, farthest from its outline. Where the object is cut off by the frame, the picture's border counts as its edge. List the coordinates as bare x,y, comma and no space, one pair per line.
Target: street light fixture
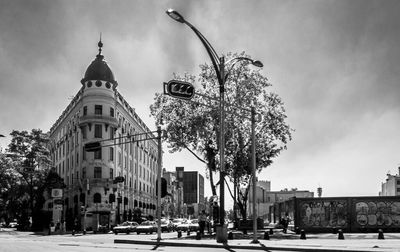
219,67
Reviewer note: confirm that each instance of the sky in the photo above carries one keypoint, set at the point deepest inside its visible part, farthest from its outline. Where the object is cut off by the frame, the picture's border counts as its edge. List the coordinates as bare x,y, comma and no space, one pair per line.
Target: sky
335,64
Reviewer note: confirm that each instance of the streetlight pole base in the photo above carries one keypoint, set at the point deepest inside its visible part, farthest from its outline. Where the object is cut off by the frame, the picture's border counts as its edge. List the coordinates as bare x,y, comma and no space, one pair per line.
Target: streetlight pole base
221,233
255,242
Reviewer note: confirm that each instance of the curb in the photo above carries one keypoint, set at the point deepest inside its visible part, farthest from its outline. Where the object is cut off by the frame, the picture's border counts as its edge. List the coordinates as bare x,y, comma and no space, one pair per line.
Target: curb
230,247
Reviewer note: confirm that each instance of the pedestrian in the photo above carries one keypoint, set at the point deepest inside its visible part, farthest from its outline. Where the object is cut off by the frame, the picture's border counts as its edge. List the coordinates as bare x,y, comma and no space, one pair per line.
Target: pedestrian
75,229
202,221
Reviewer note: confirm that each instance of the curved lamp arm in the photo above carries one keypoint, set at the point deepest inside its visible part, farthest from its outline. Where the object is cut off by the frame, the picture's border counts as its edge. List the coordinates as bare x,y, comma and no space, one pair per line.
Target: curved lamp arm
210,50
256,63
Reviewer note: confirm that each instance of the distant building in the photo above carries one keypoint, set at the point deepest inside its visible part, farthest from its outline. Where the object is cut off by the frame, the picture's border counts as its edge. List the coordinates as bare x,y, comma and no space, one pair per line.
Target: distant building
173,202
266,198
391,187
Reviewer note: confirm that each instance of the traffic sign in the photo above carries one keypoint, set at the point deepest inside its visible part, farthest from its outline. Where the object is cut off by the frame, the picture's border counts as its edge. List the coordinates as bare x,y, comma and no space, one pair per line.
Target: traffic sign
179,89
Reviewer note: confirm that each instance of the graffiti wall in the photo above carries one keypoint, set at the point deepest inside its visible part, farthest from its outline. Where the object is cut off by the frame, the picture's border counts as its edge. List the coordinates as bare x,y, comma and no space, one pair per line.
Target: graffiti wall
370,213
351,214
324,214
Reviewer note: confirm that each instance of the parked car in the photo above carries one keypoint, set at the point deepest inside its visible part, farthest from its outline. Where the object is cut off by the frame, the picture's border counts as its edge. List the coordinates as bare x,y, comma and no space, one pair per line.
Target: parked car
126,227
194,225
183,226
166,226
175,223
147,227
13,224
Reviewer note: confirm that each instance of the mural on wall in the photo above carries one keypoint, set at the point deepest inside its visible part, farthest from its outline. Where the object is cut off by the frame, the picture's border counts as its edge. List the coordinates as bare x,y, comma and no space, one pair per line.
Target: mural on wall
332,213
379,213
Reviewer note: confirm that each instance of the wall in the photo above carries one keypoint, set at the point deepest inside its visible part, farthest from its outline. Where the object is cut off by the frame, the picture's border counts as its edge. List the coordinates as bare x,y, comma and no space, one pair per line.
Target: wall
351,214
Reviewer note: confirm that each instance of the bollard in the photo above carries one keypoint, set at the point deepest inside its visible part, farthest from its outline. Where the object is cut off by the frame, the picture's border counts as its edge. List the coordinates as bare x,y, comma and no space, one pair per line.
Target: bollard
297,230
198,235
334,230
303,234
244,231
73,232
340,235
271,231
188,232
266,236
380,235
179,233
230,236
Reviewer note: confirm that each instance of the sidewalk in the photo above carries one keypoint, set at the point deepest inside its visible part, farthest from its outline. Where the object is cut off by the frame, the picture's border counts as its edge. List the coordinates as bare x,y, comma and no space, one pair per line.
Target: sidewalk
279,241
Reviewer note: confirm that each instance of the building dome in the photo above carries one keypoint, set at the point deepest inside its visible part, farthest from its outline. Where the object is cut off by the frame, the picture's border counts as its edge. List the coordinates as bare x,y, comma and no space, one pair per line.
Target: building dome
99,70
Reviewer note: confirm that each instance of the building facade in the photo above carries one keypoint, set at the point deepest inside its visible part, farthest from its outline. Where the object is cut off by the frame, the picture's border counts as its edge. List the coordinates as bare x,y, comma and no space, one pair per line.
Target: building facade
265,198
98,112
391,187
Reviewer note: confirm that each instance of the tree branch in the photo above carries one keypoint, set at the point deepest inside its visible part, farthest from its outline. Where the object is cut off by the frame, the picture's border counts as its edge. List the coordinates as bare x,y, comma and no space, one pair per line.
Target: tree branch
194,154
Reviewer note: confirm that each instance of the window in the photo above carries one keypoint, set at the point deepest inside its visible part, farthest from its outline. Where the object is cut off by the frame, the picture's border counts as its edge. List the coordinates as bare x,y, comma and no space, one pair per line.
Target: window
83,172
111,154
112,112
84,135
98,130
97,154
85,110
111,173
97,198
84,154
97,172
112,133
98,109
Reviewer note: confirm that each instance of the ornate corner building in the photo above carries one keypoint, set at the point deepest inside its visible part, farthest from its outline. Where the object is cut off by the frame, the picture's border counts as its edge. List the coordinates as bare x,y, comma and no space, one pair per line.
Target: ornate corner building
98,112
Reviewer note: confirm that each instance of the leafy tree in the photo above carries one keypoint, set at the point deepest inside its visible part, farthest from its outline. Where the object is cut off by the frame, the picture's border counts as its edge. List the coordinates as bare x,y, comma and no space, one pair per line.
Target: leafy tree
9,189
196,127
29,164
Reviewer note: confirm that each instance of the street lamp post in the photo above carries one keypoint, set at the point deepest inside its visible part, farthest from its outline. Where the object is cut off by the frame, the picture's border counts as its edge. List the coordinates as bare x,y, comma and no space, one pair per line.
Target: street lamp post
219,67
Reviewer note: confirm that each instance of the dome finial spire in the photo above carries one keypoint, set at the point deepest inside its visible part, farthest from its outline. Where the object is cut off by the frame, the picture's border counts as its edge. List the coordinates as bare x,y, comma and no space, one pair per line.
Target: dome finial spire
100,44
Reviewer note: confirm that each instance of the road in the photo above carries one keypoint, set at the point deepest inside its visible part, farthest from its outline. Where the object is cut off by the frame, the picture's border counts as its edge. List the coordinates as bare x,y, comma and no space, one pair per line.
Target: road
12,241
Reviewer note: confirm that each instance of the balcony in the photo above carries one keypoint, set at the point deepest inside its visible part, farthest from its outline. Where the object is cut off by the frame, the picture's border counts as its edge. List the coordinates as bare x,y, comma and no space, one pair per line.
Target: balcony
109,120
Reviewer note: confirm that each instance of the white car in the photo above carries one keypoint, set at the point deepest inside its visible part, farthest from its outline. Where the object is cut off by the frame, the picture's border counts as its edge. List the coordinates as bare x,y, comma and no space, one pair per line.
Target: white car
183,226
125,227
194,225
175,223
147,227
13,224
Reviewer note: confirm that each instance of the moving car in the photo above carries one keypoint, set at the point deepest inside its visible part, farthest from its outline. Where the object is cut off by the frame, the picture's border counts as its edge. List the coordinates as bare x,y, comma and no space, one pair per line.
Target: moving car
125,227
147,227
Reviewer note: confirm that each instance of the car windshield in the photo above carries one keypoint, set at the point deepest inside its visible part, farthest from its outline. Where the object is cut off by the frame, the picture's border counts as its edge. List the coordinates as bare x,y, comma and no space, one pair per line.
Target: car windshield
125,224
195,221
146,223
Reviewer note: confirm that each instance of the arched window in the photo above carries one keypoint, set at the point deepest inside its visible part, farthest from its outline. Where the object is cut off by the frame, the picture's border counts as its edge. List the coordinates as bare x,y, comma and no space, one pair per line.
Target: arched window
97,198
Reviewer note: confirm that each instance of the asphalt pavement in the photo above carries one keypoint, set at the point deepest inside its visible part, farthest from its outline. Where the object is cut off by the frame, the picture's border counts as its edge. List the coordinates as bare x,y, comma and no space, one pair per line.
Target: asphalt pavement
289,241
